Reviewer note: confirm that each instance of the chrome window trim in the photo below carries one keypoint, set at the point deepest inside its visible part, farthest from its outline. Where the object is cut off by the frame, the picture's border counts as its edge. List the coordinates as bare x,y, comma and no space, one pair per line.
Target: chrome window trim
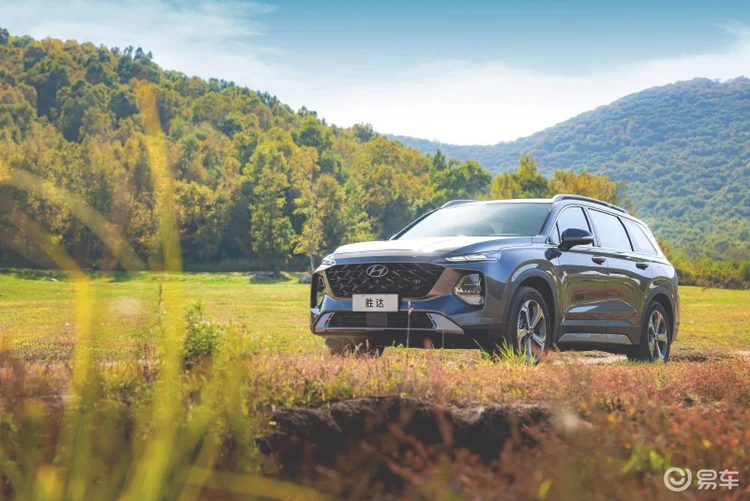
614,249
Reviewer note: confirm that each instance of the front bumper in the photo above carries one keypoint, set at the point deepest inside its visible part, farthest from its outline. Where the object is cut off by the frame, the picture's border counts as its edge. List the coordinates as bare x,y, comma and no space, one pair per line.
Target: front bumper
439,324
440,317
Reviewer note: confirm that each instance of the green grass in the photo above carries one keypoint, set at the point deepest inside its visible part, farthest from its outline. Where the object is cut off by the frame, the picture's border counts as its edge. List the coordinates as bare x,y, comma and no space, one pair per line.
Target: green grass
38,320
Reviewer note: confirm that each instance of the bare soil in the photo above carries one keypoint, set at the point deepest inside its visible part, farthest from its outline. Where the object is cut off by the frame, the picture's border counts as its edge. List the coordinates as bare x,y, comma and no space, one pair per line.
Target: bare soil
373,434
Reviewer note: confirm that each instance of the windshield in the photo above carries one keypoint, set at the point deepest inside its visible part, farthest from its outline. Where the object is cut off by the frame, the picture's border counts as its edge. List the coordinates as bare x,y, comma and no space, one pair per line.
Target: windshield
519,219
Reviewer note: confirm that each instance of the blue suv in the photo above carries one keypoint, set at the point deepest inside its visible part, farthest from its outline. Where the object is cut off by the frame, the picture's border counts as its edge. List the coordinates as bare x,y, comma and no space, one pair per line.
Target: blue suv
569,272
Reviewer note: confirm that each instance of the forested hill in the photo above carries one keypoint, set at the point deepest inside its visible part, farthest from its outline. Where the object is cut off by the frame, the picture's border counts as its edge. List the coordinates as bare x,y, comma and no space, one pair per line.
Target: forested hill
255,182
87,133
683,149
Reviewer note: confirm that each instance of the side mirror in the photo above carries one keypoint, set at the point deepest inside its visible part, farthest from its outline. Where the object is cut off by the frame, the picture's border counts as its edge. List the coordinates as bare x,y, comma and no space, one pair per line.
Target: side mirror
575,236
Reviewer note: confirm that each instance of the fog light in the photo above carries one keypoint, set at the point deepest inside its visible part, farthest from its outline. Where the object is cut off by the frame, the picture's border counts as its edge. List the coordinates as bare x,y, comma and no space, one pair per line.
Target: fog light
470,289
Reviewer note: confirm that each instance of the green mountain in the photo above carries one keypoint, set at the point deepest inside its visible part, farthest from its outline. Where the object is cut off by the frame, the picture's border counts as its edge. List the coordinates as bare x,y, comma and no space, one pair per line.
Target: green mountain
88,132
683,149
89,135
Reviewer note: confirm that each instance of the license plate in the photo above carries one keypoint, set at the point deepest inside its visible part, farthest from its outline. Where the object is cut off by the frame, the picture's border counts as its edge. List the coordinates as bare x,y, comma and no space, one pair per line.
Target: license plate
375,302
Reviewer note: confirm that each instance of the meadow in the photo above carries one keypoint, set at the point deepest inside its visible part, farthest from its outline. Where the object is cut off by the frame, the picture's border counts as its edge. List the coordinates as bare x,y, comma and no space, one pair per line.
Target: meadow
131,419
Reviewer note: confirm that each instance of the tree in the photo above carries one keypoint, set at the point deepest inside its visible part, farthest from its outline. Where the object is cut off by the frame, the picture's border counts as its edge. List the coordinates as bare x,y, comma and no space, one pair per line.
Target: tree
526,182
438,161
305,171
48,77
363,131
505,187
533,184
244,145
123,104
459,180
356,222
589,185
270,229
75,101
320,206
202,218
313,134
4,36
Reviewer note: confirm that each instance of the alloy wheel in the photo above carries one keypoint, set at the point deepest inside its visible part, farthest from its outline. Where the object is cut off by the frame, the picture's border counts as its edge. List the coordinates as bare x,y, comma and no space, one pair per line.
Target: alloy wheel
658,336
532,330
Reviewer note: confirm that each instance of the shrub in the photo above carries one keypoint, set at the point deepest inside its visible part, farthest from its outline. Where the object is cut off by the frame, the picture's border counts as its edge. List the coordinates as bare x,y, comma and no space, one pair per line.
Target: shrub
202,336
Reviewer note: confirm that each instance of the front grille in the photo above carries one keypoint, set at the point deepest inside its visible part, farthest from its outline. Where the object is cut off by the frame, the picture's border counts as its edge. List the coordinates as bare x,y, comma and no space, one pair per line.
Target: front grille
408,280
395,320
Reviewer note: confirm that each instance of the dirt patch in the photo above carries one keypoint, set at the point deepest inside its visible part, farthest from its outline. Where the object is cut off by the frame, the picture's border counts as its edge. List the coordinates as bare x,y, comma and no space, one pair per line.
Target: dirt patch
374,435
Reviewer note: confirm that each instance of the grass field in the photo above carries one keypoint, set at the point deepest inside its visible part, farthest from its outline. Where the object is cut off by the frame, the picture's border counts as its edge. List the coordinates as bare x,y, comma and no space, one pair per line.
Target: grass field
135,428
38,319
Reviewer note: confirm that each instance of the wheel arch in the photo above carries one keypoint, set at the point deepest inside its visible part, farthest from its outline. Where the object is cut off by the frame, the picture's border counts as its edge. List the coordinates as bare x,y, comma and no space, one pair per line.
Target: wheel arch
542,281
663,296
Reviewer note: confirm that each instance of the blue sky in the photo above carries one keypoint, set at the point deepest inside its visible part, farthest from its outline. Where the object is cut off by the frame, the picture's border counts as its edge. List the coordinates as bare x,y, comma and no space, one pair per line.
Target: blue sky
462,72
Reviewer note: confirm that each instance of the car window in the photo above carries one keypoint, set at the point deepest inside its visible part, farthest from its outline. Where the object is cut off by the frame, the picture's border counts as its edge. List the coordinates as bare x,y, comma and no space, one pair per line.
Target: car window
641,242
571,217
516,218
554,236
610,230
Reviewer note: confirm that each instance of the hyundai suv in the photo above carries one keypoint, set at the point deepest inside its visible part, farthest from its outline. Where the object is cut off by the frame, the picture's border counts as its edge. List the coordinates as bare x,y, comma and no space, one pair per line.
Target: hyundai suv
569,272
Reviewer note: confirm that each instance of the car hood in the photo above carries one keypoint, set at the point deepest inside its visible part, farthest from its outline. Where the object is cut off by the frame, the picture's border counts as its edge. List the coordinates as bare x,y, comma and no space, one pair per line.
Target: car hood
428,247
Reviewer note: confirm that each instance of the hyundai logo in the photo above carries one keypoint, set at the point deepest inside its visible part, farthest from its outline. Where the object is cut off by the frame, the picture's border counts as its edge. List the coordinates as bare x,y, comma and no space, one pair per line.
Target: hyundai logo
377,271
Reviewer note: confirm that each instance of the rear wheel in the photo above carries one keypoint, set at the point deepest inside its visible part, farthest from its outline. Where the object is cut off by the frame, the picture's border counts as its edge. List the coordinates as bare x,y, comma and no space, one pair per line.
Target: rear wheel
528,329
361,347
656,338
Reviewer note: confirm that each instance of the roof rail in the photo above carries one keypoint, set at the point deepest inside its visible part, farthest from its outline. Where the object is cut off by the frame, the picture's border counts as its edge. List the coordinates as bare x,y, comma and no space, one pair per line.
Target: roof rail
588,199
456,202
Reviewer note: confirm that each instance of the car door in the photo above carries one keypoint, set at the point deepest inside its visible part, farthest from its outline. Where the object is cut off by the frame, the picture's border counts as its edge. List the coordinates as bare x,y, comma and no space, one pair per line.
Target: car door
629,278
582,275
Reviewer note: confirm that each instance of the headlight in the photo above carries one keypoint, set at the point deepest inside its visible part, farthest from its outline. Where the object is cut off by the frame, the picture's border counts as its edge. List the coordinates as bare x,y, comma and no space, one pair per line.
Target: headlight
482,256
328,260
470,289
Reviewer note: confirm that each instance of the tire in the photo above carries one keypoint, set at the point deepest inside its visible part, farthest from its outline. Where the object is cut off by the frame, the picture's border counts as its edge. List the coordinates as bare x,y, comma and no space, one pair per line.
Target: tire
361,348
656,337
527,333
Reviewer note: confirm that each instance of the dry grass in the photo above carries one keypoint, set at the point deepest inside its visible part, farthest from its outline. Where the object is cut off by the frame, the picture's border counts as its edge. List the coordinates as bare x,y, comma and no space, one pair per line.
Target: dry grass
616,426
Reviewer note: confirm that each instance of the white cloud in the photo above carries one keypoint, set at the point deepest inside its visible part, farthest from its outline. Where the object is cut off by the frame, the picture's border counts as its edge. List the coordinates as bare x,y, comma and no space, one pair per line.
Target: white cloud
485,103
452,101
208,38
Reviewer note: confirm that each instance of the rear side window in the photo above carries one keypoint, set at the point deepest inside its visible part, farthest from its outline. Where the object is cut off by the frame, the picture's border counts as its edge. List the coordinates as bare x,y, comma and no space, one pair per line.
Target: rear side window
641,242
611,232
572,217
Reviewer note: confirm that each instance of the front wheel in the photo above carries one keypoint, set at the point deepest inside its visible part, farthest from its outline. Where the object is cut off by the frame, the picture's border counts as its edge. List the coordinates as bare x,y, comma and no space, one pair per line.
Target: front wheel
528,329
656,339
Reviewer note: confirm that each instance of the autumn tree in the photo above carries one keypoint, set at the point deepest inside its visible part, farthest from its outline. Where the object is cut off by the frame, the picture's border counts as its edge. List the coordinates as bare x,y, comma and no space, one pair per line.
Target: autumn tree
589,185
526,182
305,173
202,217
357,224
270,229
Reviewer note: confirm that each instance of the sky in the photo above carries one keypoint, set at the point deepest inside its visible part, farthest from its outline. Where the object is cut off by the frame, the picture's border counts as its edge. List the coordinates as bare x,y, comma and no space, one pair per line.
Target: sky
465,72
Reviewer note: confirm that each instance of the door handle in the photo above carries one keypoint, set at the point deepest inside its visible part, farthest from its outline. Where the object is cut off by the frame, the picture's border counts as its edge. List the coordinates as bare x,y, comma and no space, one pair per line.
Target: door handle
598,259
642,266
